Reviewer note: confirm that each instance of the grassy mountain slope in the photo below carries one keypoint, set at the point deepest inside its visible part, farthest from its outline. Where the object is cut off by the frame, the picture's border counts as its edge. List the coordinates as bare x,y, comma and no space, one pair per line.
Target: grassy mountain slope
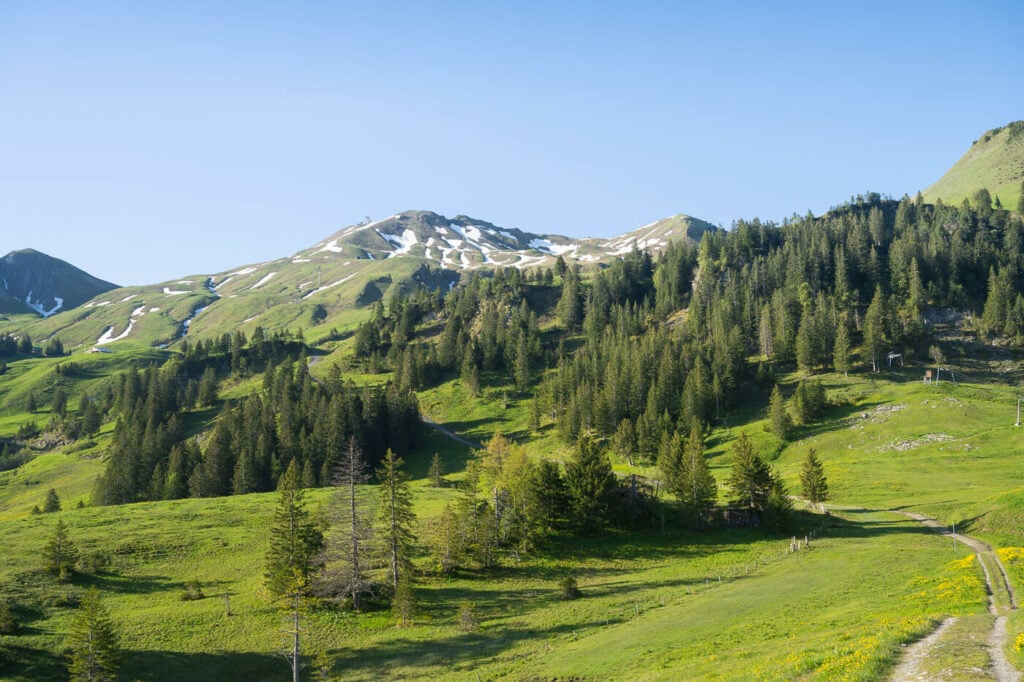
995,162
652,605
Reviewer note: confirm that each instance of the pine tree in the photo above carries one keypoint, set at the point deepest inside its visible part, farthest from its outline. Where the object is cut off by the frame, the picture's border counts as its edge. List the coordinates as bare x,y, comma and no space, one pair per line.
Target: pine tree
59,553
52,503
30,403
591,484
296,540
874,329
404,604
750,479
294,555
779,505
781,425
841,352
436,472
59,403
812,479
93,643
396,518
701,489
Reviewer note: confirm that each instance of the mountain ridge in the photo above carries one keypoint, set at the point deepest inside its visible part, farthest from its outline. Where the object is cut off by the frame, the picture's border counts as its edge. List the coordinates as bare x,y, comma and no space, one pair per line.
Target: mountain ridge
994,162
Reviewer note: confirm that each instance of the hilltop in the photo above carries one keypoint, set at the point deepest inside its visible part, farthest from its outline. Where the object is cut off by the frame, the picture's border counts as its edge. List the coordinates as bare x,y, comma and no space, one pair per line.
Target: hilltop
34,282
994,162
330,284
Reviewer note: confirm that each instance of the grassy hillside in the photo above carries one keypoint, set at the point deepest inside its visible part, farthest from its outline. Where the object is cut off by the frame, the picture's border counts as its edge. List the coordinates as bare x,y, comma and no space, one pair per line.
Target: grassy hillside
995,162
652,608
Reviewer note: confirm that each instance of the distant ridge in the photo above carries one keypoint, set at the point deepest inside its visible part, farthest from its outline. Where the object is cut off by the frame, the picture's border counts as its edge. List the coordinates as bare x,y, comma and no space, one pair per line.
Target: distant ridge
31,281
994,162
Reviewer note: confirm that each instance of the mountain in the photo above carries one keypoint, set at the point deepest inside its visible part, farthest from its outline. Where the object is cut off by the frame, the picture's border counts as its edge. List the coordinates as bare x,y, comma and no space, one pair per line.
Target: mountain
994,162
320,287
34,281
464,243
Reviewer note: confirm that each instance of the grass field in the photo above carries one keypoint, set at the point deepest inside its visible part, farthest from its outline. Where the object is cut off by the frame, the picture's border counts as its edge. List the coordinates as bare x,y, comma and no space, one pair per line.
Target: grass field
652,605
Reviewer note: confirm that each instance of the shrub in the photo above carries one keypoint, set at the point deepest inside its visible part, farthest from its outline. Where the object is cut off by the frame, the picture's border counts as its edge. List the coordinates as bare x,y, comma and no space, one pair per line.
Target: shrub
570,588
467,616
193,591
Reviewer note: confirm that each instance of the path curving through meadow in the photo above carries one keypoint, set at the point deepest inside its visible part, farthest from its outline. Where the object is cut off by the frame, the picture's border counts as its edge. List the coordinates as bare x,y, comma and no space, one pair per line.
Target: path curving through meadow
1002,671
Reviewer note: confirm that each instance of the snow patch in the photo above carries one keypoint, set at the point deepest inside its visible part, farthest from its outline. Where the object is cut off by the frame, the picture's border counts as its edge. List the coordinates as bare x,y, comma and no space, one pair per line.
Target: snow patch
138,312
108,335
103,303
328,286
264,280
301,260
332,247
547,246
128,298
175,292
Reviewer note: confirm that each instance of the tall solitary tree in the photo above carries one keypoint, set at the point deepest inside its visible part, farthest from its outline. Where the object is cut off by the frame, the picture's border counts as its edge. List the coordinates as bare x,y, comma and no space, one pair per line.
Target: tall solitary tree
396,518
750,479
59,554
293,557
93,642
52,503
352,526
812,479
701,490
781,424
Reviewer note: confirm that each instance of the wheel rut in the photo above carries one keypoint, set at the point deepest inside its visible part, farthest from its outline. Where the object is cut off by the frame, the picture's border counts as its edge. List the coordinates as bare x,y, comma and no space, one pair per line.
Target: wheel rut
996,581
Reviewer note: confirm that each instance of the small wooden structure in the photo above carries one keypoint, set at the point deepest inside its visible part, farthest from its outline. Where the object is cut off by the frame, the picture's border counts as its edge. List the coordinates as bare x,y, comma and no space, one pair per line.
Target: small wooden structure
927,376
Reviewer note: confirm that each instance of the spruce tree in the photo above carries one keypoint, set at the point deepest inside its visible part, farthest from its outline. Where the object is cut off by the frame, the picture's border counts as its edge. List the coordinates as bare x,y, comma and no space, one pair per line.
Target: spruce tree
436,472
396,518
813,483
781,424
591,485
750,479
59,553
841,352
292,559
52,503
701,489
874,329
93,643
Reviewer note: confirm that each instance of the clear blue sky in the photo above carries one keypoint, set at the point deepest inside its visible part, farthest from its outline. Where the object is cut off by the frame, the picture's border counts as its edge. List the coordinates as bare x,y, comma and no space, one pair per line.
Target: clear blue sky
147,141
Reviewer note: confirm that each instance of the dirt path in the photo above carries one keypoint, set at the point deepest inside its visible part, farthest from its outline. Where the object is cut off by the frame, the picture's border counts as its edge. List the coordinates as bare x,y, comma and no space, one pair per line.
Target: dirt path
911,667
1002,670
451,434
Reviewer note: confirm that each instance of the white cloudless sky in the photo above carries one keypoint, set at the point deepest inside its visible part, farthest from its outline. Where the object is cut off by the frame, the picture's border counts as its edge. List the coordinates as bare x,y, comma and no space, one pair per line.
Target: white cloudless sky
149,141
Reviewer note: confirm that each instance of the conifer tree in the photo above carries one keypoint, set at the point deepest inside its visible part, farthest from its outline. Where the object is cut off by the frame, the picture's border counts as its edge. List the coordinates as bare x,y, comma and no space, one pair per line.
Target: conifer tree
841,351
874,329
396,518
781,425
591,484
813,483
436,472
701,490
59,553
404,604
52,503
293,558
750,479
93,643
779,505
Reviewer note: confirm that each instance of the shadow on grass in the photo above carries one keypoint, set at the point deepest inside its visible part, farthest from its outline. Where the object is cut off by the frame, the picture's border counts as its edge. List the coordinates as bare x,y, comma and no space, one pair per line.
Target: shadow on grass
28,664
200,667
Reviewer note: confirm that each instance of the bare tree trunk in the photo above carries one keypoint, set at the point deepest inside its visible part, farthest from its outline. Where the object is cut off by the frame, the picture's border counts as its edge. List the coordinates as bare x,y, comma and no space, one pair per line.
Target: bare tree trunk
295,639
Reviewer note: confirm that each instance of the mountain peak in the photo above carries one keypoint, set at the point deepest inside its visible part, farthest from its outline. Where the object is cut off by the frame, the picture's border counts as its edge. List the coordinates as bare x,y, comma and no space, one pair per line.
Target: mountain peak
32,281
995,162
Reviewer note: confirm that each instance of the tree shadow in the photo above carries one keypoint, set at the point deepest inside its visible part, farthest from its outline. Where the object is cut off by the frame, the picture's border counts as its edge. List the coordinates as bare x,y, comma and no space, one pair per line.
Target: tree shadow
203,667
28,664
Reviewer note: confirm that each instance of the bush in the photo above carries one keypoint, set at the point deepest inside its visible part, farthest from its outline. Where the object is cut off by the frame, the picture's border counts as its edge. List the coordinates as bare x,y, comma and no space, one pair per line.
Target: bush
570,588
193,591
467,616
